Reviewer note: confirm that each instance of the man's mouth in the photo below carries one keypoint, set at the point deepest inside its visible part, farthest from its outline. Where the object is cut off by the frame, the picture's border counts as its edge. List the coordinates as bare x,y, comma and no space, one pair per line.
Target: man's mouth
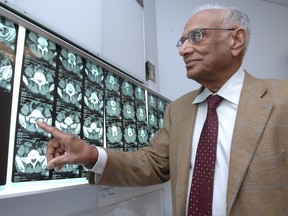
191,62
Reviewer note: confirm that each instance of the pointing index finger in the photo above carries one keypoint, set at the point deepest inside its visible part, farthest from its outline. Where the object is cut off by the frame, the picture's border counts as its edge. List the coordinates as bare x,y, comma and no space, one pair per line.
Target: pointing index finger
49,129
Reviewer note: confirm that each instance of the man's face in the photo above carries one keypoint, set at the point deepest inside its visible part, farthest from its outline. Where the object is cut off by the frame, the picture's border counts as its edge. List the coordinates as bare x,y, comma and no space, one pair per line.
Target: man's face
208,60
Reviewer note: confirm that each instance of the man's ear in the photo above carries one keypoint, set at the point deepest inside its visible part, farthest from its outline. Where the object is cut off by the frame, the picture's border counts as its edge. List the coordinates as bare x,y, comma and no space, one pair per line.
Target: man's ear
239,38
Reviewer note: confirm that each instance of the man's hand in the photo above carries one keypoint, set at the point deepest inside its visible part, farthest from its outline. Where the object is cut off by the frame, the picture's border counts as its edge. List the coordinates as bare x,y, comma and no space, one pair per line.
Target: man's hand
66,148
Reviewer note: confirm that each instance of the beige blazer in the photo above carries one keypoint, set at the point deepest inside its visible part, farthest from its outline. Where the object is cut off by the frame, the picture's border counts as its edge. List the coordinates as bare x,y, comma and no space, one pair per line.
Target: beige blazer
258,171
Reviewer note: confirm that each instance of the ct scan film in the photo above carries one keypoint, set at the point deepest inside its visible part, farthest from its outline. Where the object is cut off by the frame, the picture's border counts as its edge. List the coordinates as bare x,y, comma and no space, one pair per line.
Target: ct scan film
113,111
8,39
66,87
141,117
36,101
129,116
93,110
68,102
61,89
93,107
156,109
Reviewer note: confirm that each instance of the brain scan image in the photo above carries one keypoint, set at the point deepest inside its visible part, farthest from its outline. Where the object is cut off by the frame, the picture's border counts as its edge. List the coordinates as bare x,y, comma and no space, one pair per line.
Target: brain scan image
94,72
93,129
31,112
71,168
130,134
151,134
42,47
71,62
127,89
142,136
139,93
31,160
128,111
93,99
152,119
6,72
7,33
113,108
39,80
112,83
160,105
152,101
69,91
68,121
114,133
161,122
141,113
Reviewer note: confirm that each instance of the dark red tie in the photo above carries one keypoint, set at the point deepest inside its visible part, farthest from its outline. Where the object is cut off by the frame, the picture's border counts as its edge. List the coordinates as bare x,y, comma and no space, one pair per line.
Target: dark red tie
201,193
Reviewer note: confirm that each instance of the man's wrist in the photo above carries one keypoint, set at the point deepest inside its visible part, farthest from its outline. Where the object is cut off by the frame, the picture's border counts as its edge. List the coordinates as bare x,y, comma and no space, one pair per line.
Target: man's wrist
101,161
93,158
90,165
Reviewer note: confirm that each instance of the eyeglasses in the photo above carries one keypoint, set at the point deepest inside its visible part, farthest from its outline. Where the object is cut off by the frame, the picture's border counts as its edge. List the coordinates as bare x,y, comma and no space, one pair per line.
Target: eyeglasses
196,35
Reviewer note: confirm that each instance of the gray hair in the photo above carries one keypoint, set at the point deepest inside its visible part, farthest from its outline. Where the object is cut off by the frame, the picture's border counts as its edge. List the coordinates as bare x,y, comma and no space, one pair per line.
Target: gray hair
233,17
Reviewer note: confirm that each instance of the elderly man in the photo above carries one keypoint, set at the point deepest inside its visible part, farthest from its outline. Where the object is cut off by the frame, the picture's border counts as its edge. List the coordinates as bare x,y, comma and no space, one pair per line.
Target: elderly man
240,164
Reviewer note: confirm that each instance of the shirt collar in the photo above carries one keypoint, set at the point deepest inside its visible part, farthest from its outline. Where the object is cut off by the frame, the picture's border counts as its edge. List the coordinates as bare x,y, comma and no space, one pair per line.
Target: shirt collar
230,91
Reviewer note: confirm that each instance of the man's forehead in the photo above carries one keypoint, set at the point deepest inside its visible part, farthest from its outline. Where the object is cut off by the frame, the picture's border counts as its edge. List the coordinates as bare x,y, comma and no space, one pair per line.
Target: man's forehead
205,18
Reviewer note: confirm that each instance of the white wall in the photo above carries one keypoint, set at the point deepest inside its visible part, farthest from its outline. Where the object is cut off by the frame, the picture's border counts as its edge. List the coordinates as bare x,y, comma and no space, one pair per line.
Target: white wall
267,55
110,29
151,53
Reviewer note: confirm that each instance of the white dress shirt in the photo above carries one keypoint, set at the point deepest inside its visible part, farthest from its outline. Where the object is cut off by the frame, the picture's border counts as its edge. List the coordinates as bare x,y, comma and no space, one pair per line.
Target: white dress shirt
100,164
226,111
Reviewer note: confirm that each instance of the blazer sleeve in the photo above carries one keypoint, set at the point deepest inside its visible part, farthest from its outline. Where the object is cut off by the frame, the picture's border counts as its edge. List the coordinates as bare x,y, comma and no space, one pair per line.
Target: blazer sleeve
149,165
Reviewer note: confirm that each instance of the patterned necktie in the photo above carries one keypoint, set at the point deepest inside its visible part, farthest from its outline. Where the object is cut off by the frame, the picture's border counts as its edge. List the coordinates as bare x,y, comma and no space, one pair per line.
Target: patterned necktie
201,193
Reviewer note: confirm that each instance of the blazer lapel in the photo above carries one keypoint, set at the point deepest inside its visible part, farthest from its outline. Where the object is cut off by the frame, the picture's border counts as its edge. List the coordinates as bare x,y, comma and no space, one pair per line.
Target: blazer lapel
186,128
252,115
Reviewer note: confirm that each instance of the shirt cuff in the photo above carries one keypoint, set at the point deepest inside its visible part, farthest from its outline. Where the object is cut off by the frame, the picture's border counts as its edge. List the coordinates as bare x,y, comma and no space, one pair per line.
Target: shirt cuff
101,162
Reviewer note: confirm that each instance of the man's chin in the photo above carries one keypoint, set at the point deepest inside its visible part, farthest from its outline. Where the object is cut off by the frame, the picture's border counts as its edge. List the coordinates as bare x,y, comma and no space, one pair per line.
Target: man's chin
191,74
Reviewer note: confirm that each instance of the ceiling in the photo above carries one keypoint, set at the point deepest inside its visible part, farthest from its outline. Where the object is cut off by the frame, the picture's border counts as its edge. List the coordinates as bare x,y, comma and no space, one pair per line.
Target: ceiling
279,2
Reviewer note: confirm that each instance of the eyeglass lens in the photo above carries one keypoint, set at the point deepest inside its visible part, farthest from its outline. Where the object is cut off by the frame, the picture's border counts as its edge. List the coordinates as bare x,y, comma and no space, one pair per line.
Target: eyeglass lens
195,36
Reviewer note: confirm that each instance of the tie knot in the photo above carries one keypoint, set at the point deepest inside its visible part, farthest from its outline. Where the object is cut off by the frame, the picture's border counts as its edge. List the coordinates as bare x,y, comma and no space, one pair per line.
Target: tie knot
213,101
